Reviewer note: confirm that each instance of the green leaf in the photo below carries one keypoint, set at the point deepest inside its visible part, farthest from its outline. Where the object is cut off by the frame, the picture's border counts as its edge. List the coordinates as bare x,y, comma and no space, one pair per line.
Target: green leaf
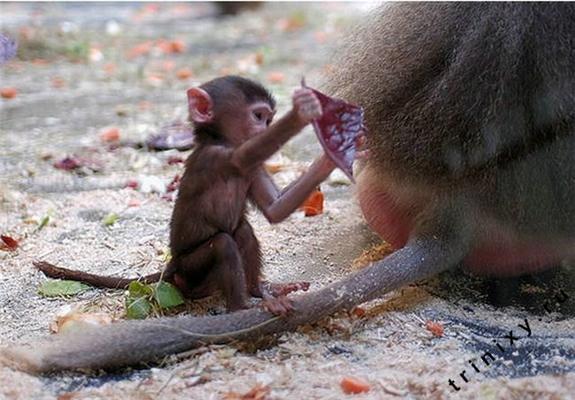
167,256
138,289
43,222
110,219
167,295
52,288
138,307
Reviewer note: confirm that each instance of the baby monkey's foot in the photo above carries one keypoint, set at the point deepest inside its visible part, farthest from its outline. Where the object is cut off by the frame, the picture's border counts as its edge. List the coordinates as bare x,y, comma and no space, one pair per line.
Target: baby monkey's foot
280,306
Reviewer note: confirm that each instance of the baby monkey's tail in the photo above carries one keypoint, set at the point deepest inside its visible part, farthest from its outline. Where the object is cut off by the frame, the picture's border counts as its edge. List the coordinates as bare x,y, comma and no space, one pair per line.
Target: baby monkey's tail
52,271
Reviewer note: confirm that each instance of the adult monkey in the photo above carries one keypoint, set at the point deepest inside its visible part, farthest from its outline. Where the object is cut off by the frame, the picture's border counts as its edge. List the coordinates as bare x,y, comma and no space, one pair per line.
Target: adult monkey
470,109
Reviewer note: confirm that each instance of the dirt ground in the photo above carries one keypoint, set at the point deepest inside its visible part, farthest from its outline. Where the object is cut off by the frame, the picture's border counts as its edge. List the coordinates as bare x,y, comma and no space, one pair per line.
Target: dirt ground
83,68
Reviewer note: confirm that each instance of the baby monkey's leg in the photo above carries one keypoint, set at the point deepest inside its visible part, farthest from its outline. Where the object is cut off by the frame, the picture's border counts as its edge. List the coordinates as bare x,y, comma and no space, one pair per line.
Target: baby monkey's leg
273,294
216,264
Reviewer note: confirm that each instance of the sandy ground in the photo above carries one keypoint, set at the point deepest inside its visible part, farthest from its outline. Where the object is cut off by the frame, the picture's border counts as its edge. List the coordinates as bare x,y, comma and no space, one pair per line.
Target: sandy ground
63,105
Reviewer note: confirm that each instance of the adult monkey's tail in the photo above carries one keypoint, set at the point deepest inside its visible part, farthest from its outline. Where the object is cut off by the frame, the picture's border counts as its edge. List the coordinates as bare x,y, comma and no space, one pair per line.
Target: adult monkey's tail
131,342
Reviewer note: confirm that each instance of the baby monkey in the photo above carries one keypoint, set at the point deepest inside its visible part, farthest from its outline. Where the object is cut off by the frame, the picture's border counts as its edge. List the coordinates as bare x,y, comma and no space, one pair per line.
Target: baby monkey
213,245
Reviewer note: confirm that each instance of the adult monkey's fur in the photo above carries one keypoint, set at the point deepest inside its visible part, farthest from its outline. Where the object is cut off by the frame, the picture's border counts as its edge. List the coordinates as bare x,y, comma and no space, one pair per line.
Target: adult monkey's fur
470,110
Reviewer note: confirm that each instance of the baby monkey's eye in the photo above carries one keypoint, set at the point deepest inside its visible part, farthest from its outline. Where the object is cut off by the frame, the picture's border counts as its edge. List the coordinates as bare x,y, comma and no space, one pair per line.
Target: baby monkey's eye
259,115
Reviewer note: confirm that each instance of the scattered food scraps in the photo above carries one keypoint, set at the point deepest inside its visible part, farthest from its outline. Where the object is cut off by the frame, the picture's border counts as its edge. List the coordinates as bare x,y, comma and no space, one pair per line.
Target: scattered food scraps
8,243
353,385
358,312
276,77
8,92
313,205
133,203
110,135
174,184
273,168
173,160
184,73
67,164
372,254
435,328
132,184
258,392
73,163
58,82
140,50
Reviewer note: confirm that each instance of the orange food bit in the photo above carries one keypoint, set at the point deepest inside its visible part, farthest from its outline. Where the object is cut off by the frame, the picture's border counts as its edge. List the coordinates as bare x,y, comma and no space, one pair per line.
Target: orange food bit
184,73
313,205
8,92
353,385
58,82
358,312
177,46
276,77
435,328
110,135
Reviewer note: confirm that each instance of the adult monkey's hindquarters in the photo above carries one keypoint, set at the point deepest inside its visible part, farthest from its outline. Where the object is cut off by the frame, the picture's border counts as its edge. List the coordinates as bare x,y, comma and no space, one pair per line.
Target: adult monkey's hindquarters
470,110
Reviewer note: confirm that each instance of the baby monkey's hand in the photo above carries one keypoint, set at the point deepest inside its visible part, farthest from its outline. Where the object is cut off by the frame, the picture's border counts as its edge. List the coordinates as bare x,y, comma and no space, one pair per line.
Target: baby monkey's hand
306,105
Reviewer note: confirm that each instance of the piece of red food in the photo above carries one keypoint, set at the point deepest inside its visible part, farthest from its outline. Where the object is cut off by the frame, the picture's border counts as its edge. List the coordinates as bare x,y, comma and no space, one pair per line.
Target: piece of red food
8,243
338,130
435,328
132,184
173,160
354,385
313,205
174,184
8,92
68,164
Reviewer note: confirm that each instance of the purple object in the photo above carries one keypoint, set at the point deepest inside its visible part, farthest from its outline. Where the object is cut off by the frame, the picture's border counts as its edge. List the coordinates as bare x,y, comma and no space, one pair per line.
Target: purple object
176,136
338,130
8,48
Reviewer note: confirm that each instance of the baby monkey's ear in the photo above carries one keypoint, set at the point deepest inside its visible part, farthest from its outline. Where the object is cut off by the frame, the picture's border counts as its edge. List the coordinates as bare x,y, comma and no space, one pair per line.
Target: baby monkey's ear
200,106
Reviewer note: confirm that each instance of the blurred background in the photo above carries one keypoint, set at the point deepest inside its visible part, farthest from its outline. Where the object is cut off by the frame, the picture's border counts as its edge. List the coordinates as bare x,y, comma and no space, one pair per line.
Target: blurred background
88,74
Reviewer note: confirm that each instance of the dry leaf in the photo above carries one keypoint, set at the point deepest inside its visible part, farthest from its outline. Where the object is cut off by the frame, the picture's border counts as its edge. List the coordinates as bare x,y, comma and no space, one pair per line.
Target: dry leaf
8,243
